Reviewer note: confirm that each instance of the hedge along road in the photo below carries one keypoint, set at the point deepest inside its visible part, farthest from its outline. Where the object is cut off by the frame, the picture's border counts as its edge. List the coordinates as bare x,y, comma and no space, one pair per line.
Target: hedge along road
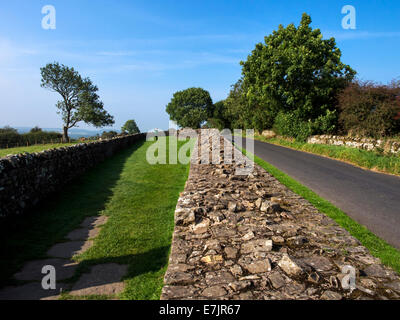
370,198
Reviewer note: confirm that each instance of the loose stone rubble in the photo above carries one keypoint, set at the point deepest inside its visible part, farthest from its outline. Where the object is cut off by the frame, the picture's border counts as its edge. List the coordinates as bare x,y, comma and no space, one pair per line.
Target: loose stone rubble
249,237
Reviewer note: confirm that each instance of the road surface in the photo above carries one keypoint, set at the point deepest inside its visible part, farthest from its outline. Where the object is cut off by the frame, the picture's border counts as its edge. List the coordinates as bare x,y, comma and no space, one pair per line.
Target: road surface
370,198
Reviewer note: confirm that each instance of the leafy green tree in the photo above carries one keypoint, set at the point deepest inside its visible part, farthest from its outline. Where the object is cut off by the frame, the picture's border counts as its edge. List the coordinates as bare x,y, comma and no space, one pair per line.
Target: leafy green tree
190,107
220,118
130,127
237,108
36,129
9,136
294,70
80,101
8,129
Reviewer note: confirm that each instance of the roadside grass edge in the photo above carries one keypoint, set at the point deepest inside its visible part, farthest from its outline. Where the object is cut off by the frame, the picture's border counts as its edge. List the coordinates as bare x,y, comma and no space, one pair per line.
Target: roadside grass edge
379,248
368,160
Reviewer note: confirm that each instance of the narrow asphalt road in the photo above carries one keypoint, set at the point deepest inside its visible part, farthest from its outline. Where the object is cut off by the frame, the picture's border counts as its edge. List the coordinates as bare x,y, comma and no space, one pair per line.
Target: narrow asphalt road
370,198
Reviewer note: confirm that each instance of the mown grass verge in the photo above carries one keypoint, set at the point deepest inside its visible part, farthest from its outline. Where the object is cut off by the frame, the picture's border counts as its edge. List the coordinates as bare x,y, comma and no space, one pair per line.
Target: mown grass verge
139,200
379,248
139,230
362,158
32,149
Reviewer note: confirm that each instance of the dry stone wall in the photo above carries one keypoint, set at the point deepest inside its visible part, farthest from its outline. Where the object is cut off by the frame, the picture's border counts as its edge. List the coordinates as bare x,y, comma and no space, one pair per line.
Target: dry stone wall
26,179
249,237
388,146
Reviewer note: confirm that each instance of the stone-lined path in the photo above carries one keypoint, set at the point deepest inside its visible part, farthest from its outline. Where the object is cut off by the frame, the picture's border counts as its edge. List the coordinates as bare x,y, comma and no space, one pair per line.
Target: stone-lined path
102,279
249,237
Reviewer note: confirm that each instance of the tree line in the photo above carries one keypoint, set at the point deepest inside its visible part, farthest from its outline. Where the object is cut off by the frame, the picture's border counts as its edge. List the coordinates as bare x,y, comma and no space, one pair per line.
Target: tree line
296,84
10,137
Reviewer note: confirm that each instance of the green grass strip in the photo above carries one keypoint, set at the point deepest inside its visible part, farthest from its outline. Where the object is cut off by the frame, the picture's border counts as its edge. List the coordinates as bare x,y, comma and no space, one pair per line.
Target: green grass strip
138,198
379,248
139,230
359,157
32,149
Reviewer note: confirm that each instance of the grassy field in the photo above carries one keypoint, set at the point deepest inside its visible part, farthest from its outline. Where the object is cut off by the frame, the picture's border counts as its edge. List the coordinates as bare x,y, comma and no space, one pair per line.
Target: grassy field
389,255
362,158
32,149
139,199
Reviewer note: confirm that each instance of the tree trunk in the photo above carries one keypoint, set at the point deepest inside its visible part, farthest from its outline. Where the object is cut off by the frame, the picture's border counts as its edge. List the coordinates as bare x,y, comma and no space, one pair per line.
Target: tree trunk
65,137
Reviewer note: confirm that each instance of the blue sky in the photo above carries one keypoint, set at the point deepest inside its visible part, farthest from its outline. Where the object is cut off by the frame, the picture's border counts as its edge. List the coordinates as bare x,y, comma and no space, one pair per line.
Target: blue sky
140,52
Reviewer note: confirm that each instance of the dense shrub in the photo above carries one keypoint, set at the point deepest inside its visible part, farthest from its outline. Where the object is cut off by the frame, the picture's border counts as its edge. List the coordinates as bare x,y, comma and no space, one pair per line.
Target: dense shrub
325,124
41,137
109,134
8,129
9,137
220,118
290,124
370,109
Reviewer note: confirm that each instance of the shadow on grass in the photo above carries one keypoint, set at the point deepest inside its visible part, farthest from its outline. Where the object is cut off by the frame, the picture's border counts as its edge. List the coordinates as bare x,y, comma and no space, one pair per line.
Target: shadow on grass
141,264
89,284
29,236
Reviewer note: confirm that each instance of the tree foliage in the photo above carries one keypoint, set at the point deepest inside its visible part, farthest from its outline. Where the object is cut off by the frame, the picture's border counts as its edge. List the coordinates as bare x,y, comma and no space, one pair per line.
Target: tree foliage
80,101
8,129
190,107
36,129
292,124
108,134
232,113
294,70
10,137
237,110
130,127
220,117
370,109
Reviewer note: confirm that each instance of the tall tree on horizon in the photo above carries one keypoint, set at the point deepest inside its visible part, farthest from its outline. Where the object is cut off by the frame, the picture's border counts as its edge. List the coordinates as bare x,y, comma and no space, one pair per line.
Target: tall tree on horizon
130,127
80,101
294,70
190,107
